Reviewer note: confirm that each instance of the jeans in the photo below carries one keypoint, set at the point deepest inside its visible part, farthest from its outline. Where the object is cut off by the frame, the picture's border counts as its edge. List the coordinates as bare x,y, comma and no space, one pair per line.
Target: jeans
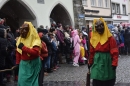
126,49
47,62
41,77
53,60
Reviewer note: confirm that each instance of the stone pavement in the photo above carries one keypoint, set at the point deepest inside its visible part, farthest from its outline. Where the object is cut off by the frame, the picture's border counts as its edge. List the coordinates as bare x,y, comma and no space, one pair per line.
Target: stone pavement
67,75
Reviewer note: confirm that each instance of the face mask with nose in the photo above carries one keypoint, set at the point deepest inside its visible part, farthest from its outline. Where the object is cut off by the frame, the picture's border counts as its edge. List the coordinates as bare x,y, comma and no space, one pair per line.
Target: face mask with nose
24,30
99,26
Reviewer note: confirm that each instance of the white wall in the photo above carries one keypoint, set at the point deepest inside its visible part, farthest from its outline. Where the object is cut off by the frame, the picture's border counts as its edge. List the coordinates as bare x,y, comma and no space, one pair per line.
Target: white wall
34,22
129,18
42,11
122,17
103,11
129,10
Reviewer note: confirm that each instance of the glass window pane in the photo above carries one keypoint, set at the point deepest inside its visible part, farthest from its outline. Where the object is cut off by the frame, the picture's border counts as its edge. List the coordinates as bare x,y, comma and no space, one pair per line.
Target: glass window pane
106,3
100,3
117,8
93,2
84,2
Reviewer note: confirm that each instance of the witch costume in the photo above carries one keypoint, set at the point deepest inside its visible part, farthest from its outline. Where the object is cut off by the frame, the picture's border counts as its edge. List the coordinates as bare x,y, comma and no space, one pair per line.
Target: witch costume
28,59
103,57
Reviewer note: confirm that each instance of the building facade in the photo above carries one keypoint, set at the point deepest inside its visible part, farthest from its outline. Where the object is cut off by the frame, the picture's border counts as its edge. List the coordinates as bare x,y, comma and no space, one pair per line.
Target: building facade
120,11
129,10
79,16
95,9
39,12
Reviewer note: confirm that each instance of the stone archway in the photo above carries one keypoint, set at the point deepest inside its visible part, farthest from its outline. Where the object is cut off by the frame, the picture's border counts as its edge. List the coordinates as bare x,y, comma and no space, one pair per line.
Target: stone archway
60,14
16,12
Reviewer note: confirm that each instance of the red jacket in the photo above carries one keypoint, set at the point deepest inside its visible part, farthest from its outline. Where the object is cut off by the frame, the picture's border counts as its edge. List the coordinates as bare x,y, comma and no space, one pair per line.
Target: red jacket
109,46
33,53
44,51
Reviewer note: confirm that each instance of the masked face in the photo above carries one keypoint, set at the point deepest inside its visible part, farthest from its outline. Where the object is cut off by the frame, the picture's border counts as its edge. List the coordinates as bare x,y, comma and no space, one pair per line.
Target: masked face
99,26
24,30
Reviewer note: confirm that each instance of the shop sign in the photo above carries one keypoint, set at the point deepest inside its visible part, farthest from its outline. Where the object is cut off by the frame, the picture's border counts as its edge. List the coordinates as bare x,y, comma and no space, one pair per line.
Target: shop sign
40,1
119,16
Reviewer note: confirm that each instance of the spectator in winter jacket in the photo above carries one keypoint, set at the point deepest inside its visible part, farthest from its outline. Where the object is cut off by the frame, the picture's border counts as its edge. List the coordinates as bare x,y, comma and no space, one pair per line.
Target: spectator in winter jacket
121,47
67,40
54,49
60,36
47,60
55,43
127,40
44,52
3,52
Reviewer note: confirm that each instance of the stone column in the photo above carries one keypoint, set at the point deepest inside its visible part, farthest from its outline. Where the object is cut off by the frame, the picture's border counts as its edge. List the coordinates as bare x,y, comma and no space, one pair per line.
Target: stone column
79,14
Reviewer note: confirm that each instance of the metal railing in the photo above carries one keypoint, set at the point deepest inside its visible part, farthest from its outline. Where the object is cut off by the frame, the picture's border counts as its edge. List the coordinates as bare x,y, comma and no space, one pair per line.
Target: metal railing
5,70
13,83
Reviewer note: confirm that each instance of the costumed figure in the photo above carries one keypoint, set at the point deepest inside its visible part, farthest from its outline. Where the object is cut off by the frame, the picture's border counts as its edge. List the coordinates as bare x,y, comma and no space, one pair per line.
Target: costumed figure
103,55
27,56
82,50
76,39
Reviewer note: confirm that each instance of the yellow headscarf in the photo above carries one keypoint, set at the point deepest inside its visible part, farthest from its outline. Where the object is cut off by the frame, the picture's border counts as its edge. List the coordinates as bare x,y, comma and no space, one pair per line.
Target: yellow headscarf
96,37
31,40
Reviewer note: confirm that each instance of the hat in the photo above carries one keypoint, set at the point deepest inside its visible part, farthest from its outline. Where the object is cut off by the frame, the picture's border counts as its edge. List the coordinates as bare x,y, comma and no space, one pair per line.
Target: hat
45,31
59,25
83,28
50,34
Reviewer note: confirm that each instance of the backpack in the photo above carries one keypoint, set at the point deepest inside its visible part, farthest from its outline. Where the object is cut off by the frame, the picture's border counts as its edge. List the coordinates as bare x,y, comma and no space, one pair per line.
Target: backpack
72,46
67,41
44,51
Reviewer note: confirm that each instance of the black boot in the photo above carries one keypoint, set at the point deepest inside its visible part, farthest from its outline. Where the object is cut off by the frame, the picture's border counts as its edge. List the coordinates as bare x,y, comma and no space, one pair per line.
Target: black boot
49,70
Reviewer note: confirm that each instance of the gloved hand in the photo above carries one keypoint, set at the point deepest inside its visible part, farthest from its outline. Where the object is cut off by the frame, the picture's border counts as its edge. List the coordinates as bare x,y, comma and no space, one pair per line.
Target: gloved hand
20,45
113,67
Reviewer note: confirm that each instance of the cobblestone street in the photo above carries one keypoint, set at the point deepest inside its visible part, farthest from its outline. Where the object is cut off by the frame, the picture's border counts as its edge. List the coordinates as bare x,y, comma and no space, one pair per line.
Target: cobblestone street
67,75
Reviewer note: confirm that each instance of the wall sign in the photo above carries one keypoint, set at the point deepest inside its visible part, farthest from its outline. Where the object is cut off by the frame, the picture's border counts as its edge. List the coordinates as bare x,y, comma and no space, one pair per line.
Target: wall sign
81,15
119,17
40,1
93,11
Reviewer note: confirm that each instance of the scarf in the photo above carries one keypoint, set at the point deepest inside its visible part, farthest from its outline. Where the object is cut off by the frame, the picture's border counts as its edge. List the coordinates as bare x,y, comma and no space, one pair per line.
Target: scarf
96,37
31,40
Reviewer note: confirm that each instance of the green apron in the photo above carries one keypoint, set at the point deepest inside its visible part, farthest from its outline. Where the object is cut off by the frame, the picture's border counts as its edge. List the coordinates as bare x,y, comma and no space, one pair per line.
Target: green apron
29,72
102,67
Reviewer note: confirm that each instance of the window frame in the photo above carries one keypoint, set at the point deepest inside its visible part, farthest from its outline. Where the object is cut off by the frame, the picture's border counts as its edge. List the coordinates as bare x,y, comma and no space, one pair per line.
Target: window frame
107,4
101,3
118,9
94,2
84,2
123,9
114,6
